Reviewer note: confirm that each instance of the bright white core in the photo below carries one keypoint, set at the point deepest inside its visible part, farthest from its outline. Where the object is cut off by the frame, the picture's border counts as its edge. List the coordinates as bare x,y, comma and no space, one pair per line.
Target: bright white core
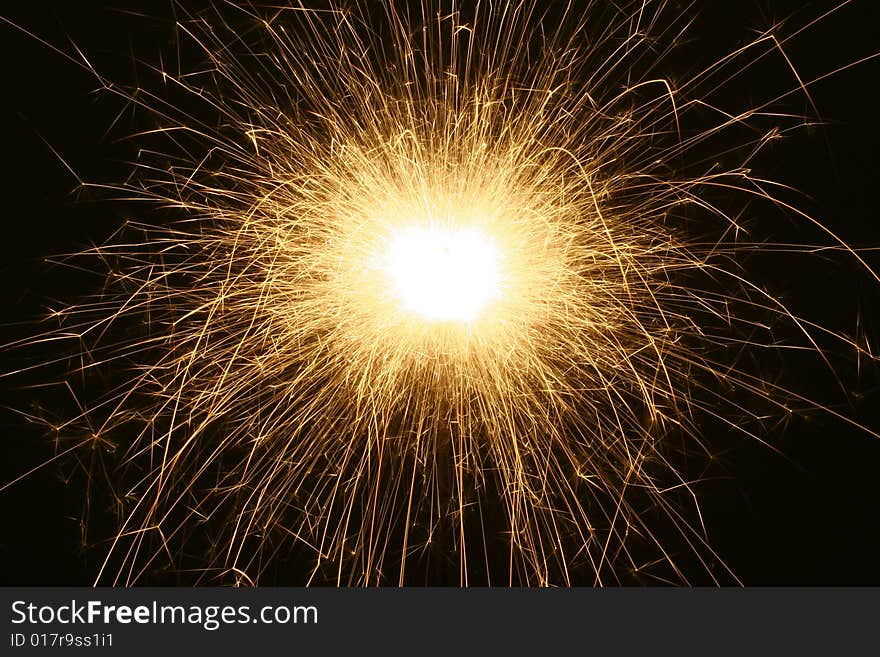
443,274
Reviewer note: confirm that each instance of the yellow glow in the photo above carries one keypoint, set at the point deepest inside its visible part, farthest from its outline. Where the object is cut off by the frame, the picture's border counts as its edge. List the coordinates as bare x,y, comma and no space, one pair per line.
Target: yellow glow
443,274
427,274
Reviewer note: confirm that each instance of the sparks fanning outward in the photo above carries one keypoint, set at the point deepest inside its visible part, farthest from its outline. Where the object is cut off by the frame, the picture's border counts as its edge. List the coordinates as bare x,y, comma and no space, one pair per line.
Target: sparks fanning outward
444,279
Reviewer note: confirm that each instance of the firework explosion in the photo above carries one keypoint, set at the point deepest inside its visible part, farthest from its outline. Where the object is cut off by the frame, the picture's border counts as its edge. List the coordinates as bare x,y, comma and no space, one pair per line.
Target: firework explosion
440,279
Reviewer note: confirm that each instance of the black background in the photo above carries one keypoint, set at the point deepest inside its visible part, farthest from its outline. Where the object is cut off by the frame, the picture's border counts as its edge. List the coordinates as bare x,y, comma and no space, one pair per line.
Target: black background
809,514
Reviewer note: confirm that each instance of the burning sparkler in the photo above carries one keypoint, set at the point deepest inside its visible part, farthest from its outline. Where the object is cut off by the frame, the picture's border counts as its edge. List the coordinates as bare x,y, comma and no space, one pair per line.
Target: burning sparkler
434,267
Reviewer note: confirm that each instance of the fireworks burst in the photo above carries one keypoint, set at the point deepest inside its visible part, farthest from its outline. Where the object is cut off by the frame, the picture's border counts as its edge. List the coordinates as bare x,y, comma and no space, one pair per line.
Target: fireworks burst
431,267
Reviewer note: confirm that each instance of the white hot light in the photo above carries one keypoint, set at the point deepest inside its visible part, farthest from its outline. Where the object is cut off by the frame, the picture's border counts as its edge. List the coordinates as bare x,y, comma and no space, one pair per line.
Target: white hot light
443,274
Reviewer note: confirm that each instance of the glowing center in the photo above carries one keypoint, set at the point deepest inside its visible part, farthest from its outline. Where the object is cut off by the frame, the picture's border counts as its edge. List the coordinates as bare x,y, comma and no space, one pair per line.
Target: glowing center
443,274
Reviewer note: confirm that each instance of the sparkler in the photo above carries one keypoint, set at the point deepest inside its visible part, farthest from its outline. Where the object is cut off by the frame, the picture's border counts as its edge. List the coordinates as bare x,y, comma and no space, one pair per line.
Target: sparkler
434,266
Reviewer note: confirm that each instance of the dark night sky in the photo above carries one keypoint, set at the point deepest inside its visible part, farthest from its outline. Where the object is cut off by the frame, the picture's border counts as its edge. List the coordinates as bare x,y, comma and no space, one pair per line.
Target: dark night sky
810,515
